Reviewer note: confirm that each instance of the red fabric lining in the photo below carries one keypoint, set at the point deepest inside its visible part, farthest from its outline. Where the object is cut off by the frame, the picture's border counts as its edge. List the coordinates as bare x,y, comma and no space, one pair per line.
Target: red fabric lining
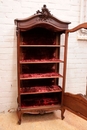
40,89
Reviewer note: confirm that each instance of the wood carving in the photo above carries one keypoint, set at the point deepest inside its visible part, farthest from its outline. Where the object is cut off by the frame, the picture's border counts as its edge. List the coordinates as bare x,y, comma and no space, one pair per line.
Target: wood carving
45,13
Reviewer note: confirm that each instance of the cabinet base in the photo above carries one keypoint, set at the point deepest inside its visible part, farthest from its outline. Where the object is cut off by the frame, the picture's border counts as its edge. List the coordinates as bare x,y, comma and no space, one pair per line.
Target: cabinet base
38,110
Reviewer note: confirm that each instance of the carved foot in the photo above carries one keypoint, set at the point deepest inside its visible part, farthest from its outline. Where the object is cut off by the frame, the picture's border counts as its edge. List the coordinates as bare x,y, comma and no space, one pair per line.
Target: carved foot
62,113
19,122
19,115
62,117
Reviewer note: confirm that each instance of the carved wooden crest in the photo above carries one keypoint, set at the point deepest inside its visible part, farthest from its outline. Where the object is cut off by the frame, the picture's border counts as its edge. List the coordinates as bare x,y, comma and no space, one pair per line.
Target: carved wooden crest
45,13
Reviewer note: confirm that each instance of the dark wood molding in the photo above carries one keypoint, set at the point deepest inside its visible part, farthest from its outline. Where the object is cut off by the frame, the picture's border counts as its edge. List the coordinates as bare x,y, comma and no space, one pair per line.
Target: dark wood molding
42,19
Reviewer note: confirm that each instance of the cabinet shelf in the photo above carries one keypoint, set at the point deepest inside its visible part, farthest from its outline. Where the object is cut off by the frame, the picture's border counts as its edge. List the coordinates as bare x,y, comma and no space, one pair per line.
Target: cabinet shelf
42,45
38,101
40,76
36,61
26,93
40,89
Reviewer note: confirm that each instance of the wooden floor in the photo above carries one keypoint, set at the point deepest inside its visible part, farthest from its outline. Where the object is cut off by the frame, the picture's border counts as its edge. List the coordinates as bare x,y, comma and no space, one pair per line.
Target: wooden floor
52,121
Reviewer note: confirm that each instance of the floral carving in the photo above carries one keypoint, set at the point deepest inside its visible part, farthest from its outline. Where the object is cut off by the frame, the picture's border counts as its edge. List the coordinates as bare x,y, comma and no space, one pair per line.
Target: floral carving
45,13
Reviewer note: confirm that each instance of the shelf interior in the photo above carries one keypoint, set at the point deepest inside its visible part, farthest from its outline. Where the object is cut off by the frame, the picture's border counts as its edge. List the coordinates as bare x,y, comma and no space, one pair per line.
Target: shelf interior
39,62
38,53
38,36
40,100
38,70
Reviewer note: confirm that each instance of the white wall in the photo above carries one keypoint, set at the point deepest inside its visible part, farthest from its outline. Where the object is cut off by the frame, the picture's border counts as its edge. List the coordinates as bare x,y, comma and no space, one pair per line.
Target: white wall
68,10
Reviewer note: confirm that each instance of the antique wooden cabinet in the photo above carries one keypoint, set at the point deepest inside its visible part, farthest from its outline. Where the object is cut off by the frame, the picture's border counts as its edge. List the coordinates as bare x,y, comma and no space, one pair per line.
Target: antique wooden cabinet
41,84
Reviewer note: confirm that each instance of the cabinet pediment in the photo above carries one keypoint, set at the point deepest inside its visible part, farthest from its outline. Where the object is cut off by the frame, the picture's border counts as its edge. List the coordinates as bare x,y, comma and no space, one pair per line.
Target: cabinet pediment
42,19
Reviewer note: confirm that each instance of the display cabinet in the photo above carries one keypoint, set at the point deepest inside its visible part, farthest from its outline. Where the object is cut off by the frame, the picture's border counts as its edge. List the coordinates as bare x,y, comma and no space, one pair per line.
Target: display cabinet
38,63
41,63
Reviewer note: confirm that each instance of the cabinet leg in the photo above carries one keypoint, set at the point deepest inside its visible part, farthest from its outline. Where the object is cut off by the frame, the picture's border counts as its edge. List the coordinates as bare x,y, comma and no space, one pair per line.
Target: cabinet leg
62,113
19,122
19,115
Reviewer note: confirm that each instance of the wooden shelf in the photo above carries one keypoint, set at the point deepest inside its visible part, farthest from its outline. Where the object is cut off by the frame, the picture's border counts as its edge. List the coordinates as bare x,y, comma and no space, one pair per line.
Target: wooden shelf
26,93
43,101
40,61
41,77
42,45
39,90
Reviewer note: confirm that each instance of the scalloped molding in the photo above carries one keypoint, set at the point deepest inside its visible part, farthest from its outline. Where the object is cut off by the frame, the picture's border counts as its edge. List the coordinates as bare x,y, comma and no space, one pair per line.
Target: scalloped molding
82,33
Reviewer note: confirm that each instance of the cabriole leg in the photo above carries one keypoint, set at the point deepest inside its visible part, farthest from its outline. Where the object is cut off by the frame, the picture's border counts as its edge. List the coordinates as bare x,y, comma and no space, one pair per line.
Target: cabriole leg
62,113
19,115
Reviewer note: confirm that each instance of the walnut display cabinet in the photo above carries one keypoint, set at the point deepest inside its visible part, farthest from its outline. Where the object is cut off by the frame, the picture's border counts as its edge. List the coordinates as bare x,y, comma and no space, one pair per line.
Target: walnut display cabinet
40,66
